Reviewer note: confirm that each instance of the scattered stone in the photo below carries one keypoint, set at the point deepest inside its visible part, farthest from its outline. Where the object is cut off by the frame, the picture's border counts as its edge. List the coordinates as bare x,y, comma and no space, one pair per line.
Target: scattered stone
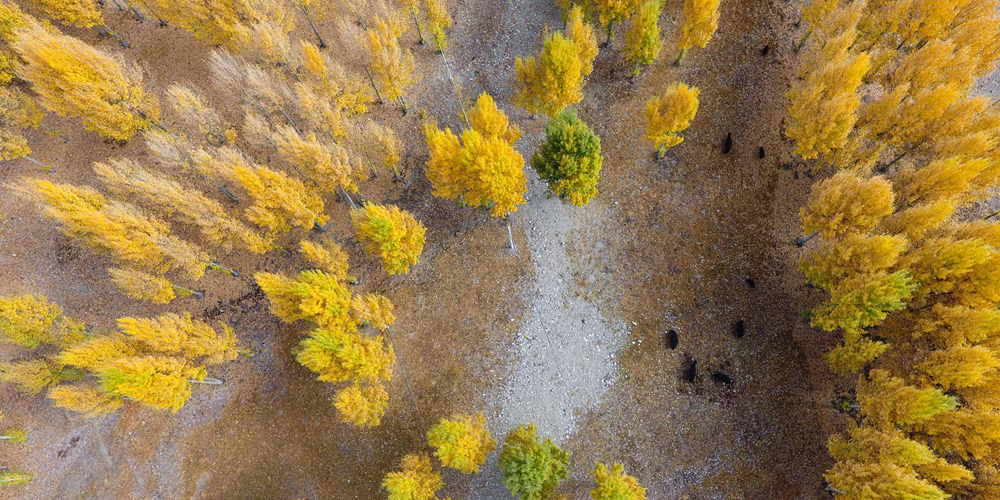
692,371
751,283
728,146
760,153
741,329
721,378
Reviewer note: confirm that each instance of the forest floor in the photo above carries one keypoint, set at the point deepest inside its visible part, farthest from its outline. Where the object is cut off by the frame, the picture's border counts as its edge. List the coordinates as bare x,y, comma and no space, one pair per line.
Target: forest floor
567,331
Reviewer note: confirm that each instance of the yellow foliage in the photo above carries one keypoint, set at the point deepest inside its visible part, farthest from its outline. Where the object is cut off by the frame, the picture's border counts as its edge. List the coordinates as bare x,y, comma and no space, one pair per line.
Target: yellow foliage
362,407
156,381
373,309
969,433
339,356
959,367
551,81
642,40
30,377
78,13
582,35
847,202
939,265
117,229
97,353
312,295
943,179
824,100
197,117
391,65
850,255
141,286
887,401
13,145
90,401
328,257
669,114
75,79
392,234
701,19
881,464
128,179
916,221
18,111
416,480
438,20
279,201
816,10
181,335
462,442
31,320
614,484
484,168
327,165
610,12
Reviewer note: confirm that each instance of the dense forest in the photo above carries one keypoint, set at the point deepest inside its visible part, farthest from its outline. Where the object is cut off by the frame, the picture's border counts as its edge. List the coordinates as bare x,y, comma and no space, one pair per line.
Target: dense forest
657,248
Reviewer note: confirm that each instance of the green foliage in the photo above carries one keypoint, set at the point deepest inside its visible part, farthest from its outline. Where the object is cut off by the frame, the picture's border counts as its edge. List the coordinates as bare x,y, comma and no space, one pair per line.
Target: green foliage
569,159
532,468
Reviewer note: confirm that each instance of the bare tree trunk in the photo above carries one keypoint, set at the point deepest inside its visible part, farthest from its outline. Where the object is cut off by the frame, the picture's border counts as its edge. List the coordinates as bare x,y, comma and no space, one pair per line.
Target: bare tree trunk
53,132
416,21
188,291
372,79
805,239
322,43
207,381
455,86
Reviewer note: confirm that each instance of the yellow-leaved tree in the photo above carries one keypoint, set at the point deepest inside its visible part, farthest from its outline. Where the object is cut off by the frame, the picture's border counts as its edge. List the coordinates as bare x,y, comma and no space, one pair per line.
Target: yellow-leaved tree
29,321
77,13
415,480
152,360
438,20
122,231
335,349
75,79
670,113
615,484
701,19
549,82
143,286
579,31
461,442
18,112
483,168
279,201
392,234
642,40
610,12
391,66
169,198
824,99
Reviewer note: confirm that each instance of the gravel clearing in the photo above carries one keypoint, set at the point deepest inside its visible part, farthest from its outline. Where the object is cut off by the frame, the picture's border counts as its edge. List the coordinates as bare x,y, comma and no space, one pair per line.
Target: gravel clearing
566,348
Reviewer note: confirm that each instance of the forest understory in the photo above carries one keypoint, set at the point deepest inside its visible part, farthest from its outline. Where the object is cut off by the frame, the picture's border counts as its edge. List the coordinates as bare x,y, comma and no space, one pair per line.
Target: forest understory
557,315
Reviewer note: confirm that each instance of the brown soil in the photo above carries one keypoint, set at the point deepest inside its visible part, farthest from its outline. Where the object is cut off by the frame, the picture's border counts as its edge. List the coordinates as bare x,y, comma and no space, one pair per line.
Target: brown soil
683,236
